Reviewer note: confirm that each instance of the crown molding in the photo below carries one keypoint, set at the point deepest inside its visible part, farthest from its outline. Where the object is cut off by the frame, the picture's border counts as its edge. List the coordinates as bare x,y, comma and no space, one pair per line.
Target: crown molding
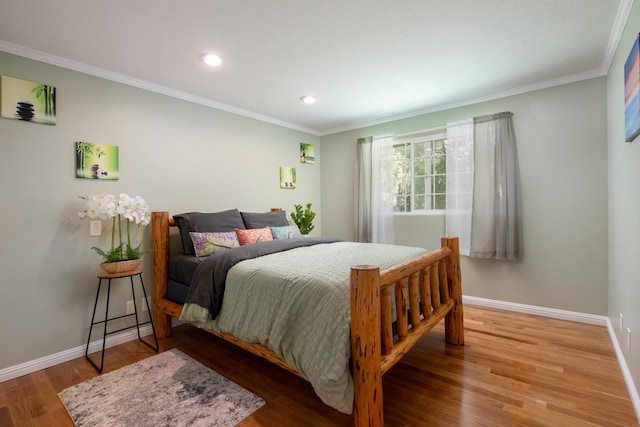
141,84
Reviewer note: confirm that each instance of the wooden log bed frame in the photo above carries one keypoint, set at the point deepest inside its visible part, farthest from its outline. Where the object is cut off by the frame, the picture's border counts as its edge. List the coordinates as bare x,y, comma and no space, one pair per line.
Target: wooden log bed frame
433,292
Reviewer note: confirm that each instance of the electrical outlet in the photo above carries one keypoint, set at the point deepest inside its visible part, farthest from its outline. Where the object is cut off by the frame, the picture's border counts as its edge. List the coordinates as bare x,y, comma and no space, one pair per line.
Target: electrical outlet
95,228
142,303
620,328
130,307
629,339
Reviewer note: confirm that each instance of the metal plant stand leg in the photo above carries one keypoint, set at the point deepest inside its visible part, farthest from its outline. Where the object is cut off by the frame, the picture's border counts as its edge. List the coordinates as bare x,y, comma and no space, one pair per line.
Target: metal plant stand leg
104,336
106,320
135,310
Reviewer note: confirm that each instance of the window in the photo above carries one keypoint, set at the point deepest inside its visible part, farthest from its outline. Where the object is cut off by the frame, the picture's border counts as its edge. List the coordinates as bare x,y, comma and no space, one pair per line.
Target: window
419,173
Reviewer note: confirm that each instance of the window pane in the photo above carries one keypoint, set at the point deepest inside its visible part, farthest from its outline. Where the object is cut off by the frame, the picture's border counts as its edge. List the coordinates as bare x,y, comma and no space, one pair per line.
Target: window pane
440,201
439,164
440,184
419,202
419,167
419,185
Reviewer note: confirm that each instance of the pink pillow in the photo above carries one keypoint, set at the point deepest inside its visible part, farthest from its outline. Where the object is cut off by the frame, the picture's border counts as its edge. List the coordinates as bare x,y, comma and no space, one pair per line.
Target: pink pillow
253,235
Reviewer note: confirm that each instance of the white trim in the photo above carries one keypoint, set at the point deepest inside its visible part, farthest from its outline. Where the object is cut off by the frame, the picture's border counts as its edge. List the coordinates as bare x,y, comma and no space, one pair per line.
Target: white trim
553,313
439,129
64,356
463,103
141,84
623,13
616,34
422,212
626,374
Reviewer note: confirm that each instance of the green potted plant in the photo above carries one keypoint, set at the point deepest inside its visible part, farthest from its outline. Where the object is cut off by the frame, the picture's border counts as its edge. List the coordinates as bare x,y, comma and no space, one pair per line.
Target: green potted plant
303,218
122,207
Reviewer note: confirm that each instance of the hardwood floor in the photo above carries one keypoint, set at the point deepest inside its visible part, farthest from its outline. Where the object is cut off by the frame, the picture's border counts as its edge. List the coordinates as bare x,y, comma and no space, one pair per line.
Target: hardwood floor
514,370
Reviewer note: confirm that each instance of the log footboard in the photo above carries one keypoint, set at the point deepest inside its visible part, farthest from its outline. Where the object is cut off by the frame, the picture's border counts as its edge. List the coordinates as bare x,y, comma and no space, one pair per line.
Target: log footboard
414,296
426,290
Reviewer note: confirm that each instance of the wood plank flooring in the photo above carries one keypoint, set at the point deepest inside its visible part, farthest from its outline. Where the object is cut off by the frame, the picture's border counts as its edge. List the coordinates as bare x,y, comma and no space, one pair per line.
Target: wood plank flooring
514,370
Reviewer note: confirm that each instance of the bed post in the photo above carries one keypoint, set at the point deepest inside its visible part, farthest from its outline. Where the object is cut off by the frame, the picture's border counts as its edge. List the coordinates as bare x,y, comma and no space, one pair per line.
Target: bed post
454,325
366,346
160,244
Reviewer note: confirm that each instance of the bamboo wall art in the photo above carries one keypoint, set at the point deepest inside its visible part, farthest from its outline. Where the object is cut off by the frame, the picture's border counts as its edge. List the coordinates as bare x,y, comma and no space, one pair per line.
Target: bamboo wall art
97,161
287,177
27,101
307,154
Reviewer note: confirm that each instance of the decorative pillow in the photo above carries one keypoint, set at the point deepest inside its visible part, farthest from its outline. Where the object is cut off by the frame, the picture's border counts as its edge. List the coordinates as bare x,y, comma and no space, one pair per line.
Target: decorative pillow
287,232
254,235
267,219
206,244
206,222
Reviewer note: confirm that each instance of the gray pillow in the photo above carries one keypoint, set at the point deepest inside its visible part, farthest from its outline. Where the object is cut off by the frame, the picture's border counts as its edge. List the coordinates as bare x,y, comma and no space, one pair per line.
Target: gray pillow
267,219
214,222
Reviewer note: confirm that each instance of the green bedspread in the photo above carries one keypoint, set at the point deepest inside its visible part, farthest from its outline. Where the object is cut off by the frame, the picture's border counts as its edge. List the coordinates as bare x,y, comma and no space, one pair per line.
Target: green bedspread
297,303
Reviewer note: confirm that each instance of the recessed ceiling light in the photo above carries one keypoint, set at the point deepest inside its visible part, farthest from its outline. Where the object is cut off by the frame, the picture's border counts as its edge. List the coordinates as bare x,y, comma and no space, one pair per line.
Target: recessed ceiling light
308,99
210,59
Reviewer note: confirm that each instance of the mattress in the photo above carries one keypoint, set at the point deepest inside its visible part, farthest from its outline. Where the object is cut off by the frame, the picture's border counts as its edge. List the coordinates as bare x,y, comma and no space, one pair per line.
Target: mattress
297,303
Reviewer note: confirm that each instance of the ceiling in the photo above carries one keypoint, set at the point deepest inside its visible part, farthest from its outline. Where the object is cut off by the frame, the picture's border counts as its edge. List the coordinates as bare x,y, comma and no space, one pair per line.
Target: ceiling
367,61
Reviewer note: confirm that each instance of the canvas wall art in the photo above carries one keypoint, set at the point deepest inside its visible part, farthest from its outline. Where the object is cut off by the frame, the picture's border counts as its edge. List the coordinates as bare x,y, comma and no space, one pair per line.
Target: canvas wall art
306,153
97,161
27,101
287,177
632,93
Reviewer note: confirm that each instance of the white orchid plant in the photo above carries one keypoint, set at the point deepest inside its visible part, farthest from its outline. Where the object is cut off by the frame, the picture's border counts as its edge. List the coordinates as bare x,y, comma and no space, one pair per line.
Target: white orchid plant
106,206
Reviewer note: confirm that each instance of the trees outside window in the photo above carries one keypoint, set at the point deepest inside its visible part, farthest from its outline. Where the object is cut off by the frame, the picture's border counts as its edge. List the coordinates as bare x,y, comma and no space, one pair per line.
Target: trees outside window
419,171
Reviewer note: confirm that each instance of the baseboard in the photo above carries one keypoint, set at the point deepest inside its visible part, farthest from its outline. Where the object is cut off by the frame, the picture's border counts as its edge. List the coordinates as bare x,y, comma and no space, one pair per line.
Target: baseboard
628,379
64,356
574,317
553,313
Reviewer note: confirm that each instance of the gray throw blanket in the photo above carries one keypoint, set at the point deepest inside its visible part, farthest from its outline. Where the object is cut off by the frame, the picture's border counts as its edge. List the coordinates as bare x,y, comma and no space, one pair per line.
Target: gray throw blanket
207,286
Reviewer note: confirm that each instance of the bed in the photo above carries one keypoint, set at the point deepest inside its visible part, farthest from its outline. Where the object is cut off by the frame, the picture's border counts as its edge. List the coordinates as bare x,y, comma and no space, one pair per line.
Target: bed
371,314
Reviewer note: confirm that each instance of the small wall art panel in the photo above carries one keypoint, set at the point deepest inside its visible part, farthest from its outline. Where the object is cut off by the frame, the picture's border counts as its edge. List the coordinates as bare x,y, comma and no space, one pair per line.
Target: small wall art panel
287,177
632,93
307,153
27,101
97,161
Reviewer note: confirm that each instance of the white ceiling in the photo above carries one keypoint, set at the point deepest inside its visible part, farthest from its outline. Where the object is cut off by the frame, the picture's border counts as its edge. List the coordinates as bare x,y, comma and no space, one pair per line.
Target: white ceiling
367,61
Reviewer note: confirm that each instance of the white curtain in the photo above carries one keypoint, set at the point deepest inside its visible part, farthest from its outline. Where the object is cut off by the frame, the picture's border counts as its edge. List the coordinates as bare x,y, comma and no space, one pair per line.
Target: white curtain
374,190
382,230
459,198
485,218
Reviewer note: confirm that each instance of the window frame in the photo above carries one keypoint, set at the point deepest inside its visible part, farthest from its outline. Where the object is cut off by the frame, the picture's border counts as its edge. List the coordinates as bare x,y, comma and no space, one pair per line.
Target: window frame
413,140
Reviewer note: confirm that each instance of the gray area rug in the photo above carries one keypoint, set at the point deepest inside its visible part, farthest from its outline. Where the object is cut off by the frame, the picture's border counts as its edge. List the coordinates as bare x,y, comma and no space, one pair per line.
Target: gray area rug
168,389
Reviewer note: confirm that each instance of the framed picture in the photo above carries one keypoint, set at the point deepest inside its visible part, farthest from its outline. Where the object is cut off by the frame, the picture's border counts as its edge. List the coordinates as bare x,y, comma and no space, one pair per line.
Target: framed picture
97,161
632,93
306,153
27,101
287,177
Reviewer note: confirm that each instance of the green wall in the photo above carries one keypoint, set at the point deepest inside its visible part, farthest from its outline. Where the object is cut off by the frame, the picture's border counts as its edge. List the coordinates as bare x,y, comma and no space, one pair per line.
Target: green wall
178,155
562,150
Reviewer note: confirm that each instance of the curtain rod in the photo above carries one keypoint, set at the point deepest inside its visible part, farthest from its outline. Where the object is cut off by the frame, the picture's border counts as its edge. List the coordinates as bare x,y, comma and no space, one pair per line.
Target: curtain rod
418,132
